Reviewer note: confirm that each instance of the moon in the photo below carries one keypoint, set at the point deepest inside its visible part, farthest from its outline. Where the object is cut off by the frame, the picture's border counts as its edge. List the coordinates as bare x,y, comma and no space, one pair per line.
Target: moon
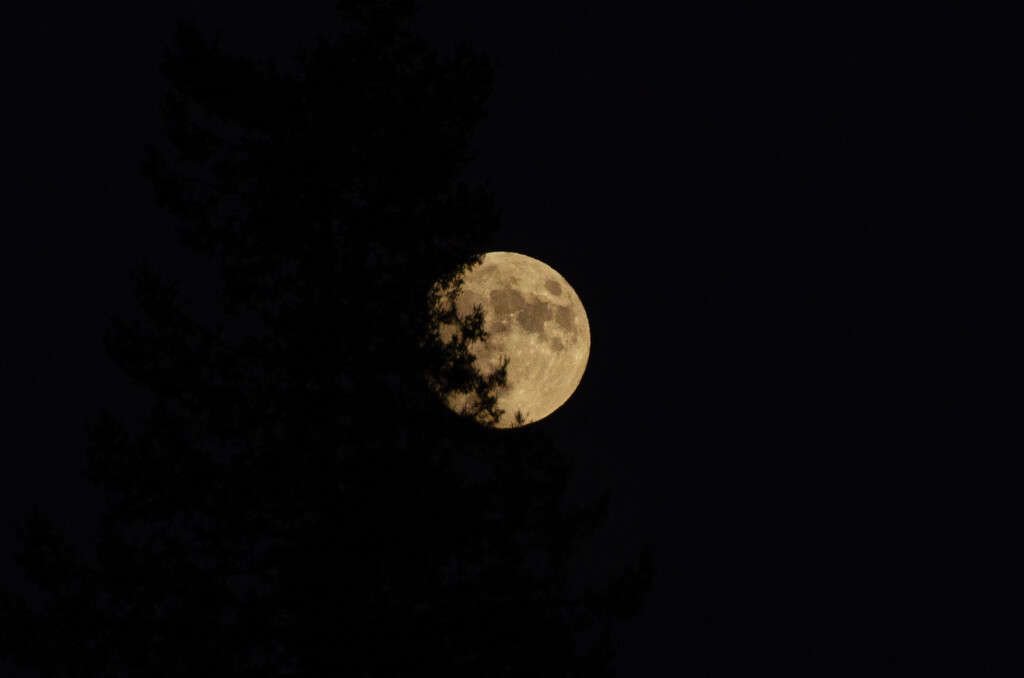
533,317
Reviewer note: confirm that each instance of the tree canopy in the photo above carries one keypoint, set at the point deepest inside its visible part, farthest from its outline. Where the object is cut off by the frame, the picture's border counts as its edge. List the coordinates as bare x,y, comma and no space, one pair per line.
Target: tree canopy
298,500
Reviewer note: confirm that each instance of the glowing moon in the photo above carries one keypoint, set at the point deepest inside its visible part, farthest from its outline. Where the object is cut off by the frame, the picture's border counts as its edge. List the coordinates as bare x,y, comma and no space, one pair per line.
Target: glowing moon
533,317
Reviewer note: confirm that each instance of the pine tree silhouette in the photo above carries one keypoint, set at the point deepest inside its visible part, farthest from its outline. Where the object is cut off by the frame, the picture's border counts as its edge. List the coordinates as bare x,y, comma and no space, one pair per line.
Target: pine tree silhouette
298,501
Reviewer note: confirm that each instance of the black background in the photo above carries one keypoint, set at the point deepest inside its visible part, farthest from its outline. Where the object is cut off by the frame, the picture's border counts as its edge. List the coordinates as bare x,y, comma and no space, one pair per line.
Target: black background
789,232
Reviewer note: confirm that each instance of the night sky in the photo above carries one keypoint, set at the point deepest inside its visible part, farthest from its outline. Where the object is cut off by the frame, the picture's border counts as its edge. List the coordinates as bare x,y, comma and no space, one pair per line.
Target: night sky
788,233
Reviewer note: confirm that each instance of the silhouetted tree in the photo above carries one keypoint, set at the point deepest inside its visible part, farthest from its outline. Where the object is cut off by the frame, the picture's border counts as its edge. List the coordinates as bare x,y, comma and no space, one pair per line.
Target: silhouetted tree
298,500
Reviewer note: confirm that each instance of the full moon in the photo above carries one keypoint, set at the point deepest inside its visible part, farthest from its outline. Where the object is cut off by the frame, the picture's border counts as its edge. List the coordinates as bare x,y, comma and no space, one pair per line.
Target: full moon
533,318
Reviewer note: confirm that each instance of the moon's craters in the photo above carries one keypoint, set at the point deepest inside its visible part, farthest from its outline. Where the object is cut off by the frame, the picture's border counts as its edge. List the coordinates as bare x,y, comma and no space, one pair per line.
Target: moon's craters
512,306
506,301
564,318
534,314
533,317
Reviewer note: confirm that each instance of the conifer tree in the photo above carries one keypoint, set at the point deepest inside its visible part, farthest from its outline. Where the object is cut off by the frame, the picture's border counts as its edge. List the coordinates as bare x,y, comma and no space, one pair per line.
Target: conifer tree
298,501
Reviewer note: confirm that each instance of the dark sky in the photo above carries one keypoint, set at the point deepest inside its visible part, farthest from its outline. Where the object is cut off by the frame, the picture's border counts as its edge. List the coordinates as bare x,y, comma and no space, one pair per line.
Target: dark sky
777,224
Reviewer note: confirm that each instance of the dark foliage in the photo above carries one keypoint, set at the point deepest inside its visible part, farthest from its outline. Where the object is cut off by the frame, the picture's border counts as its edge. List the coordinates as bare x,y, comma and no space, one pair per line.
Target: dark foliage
298,500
